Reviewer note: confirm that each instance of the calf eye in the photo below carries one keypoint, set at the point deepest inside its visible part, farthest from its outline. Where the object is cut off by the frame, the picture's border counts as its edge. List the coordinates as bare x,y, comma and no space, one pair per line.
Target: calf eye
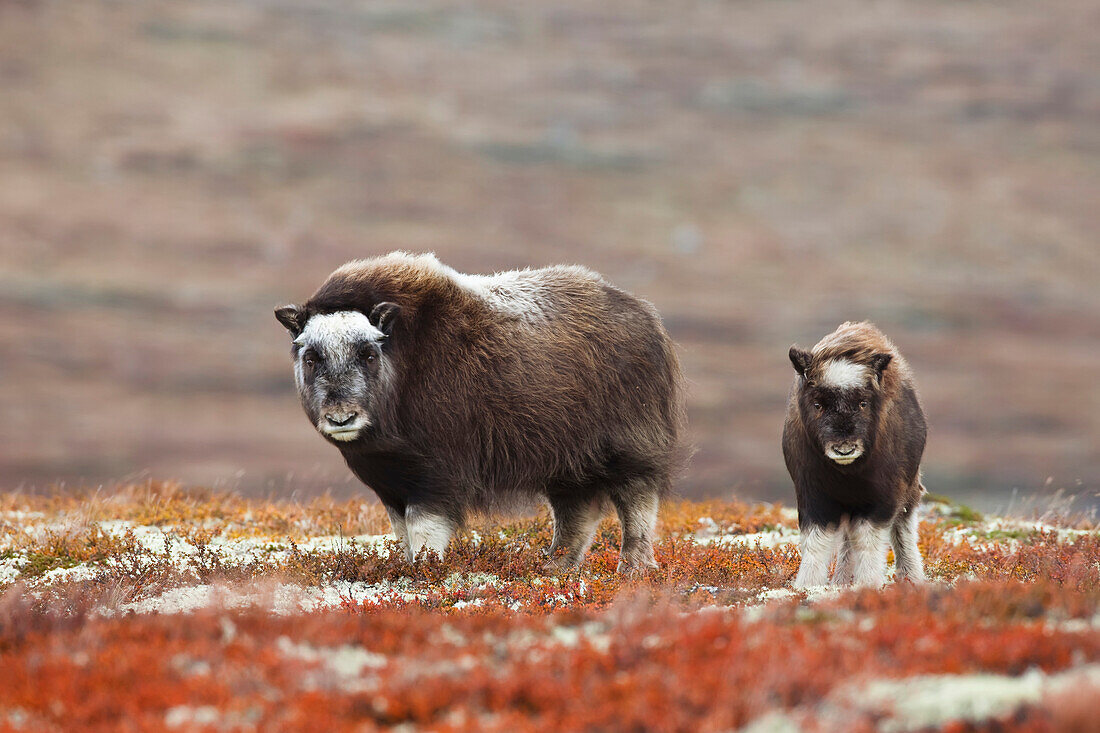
863,405
817,406
370,357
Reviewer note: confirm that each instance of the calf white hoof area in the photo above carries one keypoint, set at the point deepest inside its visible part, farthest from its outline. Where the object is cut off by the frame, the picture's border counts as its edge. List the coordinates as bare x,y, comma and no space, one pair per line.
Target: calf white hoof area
868,585
912,580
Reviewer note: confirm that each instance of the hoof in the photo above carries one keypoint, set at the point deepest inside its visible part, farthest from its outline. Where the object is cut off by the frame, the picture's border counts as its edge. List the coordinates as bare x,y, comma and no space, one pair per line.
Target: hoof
636,568
806,583
914,579
559,565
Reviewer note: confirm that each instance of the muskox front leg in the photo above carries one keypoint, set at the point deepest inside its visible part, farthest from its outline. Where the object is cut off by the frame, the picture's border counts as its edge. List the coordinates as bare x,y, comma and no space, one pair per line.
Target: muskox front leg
637,510
575,523
400,530
428,528
868,543
903,536
818,544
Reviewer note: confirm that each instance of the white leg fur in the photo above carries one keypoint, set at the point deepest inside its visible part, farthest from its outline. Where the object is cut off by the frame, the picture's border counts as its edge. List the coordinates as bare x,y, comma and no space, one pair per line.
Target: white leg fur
818,546
400,531
842,575
868,553
903,537
427,530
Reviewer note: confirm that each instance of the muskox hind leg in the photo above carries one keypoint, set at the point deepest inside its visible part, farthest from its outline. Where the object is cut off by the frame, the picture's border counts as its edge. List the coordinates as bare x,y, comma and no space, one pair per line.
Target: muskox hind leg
575,523
636,504
903,536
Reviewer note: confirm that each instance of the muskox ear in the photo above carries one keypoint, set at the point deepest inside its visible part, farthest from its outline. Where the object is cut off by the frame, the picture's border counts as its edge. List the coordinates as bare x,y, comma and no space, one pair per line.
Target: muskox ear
291,318
800,359
384,316
879,362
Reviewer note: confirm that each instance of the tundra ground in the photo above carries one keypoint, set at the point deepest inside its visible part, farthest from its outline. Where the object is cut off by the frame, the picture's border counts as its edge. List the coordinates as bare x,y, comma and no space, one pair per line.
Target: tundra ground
157,607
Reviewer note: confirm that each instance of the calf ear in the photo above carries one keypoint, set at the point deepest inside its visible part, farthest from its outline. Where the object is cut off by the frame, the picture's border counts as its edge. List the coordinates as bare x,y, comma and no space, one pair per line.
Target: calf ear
384,317
879,362
800,359
291,318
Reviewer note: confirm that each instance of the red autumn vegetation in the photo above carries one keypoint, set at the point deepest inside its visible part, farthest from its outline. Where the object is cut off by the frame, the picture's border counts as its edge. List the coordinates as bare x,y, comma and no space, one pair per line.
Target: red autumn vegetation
696,646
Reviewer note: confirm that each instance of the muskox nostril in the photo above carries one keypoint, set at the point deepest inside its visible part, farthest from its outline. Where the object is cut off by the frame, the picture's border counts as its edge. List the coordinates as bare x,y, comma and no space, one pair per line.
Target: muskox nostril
340,419
845,450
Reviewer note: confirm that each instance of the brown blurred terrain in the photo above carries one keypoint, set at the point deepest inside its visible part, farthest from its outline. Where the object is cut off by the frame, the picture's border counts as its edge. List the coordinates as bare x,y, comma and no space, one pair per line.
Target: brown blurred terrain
171,171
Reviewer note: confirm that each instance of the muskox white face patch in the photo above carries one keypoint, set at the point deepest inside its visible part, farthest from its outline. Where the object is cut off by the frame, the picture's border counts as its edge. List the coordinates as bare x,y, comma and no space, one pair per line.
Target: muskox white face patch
844,374
339,368
337,334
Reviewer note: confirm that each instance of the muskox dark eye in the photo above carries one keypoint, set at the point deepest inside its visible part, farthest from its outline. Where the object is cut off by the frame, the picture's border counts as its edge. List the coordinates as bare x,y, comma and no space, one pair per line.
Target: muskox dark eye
863,405
817,406
370,357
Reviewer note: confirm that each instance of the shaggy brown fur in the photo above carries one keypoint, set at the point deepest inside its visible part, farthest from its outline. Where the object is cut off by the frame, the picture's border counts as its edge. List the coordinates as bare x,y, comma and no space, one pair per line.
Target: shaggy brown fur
546,383
853,449
862,343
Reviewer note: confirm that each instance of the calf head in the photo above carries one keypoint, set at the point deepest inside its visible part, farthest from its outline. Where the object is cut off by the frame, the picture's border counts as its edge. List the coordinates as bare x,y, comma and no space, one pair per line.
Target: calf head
343,366
840,400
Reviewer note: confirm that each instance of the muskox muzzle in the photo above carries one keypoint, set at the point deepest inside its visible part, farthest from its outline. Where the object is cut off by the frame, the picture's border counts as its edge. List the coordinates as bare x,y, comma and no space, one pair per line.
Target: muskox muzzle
844,452
341,423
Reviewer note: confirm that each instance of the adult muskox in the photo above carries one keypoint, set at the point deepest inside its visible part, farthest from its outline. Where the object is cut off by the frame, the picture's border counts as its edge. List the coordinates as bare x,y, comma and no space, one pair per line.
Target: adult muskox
853,441
449,393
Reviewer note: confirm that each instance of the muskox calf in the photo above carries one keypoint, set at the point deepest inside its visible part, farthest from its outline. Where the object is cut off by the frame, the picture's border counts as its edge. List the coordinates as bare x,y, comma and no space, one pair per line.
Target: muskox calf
449,393
853,441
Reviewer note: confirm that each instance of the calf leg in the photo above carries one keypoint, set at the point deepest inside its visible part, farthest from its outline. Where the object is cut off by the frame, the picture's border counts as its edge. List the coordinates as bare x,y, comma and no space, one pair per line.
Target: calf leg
903,537
400,530
818,545
868,543
637,510
428,528
575,523
842,574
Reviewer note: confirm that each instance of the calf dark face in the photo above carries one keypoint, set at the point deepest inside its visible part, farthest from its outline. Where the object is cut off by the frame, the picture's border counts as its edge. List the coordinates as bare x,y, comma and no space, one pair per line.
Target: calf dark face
342,367
839,404
841,422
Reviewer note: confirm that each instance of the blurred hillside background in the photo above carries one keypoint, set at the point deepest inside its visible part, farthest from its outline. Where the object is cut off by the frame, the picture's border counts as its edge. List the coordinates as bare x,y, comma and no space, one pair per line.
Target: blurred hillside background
761,171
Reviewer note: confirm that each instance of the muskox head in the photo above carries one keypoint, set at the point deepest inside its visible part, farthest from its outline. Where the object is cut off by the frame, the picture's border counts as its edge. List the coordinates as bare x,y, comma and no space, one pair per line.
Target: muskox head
839,400
342,366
